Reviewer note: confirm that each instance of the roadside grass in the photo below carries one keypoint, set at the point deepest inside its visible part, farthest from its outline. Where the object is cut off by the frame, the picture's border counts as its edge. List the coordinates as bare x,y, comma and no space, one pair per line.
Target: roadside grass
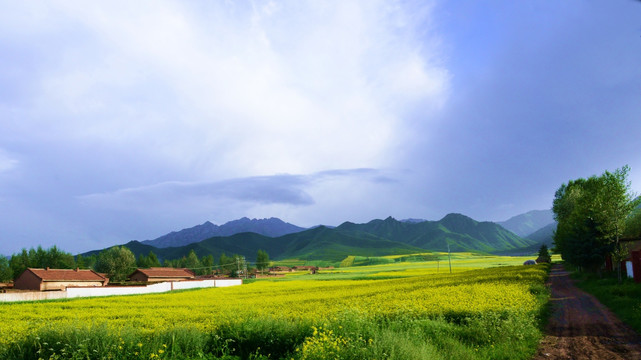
623,299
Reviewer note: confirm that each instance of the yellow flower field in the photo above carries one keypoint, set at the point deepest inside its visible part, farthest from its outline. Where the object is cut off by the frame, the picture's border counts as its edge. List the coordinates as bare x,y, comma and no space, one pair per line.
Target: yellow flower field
425,296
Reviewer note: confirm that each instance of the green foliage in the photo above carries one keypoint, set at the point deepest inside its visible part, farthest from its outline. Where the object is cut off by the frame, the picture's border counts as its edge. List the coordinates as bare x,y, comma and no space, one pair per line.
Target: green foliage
39,258
6,274
151,260
191,261
117,262
633,224
262,260
544,254
623,298
591,215
349,336
207,263
226,264
86,262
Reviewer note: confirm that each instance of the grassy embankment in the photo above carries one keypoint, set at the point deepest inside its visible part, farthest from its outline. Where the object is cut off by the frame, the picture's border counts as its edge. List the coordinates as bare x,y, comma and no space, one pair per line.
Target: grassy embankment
394,311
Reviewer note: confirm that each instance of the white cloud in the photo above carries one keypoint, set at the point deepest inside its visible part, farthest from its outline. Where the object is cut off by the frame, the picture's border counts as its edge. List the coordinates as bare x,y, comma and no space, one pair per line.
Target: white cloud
208,100
236,89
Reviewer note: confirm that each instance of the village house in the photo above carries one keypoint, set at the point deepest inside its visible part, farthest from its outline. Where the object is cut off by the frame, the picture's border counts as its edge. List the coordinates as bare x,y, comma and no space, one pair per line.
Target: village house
160,274
58,279
304,268
632,264
280,269
311,269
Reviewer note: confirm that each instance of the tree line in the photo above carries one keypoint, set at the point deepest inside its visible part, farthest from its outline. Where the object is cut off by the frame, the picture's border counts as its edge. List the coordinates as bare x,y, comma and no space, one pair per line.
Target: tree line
118,262
593,216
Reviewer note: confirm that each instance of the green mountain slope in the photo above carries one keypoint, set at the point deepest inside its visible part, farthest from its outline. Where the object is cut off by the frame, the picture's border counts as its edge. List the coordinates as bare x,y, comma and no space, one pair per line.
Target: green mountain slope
459,231
375,238
323,243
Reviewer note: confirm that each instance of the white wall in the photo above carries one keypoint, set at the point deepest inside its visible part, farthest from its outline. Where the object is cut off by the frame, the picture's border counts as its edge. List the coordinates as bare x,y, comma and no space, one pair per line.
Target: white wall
180,285
228,282
32,296
74,292
117,290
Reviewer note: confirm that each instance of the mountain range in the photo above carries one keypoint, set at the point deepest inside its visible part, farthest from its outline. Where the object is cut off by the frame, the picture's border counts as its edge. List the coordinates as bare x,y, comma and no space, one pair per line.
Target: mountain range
454,232
272,227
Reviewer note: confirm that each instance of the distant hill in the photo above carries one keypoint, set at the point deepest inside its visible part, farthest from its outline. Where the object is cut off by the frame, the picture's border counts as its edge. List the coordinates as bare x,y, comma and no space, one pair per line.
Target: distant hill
272,227
544,235
459,231
375,238
528,223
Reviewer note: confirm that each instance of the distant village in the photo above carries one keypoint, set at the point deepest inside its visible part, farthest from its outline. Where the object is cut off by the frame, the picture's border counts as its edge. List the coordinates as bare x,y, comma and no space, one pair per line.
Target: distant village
87,282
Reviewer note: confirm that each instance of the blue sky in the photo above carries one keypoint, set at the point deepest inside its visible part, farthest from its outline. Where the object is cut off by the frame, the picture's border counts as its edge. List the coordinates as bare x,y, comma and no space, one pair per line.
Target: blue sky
126,121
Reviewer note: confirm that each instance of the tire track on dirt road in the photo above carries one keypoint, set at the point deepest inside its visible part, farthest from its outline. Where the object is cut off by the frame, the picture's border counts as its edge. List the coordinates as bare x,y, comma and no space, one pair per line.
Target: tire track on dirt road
580,327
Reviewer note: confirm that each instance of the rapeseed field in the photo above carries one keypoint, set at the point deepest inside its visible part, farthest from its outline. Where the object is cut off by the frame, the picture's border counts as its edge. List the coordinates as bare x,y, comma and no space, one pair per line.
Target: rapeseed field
475,314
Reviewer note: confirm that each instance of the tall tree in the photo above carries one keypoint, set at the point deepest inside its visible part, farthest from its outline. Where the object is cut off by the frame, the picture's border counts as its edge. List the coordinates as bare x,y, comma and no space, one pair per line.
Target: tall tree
57,259
616,203
5,270
81,262
207,262
591,215
152,259
117,262
19,263
40,258
544,254
192,262
142,261
262,260
226,264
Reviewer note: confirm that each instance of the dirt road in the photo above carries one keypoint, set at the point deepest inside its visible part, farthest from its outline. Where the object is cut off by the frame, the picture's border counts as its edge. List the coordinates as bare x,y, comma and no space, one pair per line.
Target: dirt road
582,328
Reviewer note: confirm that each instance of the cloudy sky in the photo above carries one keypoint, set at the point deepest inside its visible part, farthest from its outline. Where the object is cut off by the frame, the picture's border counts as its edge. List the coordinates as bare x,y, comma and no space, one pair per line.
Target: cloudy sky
126,120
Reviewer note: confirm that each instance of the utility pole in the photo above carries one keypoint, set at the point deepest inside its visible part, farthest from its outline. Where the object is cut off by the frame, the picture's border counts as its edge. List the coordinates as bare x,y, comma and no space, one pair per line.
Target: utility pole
449,256
244,267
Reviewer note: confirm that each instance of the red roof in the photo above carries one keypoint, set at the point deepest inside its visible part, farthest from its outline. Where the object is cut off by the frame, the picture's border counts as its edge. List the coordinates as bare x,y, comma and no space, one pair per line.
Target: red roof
67,275
164,272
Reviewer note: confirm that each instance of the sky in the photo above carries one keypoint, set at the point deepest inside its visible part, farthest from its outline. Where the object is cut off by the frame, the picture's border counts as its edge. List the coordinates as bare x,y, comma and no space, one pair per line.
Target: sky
127,120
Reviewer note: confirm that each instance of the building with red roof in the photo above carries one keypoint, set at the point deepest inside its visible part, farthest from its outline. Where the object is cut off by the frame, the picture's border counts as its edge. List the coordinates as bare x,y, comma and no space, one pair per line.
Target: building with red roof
58,279
160,274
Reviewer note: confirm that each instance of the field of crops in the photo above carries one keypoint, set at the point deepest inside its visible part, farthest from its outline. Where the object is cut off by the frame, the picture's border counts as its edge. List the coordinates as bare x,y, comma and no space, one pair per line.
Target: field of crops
484,313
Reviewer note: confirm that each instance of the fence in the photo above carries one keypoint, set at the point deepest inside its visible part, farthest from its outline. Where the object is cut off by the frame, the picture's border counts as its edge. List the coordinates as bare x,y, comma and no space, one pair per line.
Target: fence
75,292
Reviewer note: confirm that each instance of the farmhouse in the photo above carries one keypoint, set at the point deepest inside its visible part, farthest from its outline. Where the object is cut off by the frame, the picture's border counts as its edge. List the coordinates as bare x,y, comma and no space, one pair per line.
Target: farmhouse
58,279
160,274
633,262
305,268
280,269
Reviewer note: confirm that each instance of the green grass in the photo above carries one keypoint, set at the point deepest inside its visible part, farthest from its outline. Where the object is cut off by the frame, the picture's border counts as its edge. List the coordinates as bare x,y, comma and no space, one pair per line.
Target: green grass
491,336
624,299
350,335
399,266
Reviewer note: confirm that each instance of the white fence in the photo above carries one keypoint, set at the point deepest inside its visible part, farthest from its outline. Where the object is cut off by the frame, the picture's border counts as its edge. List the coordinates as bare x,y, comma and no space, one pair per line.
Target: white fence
74,292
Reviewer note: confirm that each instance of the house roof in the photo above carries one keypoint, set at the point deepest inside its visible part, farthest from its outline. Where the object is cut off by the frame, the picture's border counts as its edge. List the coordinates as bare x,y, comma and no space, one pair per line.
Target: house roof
66,274
164,272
